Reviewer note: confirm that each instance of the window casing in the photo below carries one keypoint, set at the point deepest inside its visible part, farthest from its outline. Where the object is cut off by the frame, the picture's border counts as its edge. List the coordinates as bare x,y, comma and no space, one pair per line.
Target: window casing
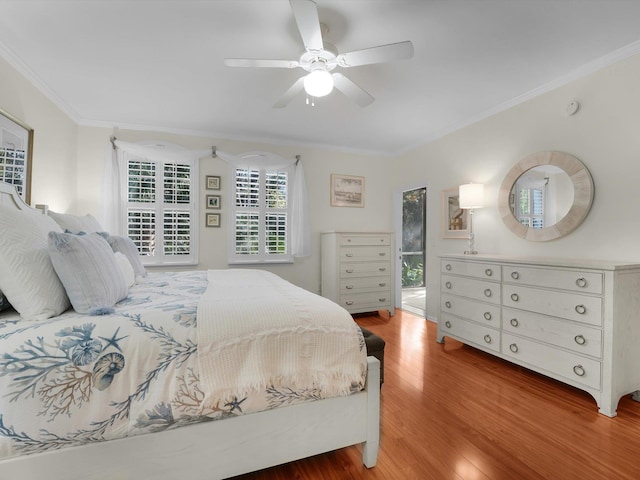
161,210
260,216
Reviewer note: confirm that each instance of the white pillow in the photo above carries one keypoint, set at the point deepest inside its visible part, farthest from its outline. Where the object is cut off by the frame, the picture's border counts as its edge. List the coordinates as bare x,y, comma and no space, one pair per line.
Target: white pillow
89,272
126,246
27,277
76,223
126,269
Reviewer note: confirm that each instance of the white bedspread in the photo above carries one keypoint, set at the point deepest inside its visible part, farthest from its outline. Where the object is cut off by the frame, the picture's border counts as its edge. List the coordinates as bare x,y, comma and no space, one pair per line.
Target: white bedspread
256,330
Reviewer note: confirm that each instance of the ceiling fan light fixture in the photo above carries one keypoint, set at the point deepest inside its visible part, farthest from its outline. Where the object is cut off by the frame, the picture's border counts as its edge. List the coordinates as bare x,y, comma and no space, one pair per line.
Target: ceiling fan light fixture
318,83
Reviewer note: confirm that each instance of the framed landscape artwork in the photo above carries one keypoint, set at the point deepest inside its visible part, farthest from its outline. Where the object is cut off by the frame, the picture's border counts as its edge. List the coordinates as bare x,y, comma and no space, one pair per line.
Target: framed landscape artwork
347,191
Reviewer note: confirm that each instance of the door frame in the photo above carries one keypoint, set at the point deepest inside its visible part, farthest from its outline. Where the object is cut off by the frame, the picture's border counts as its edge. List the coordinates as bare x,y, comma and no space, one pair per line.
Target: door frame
397,228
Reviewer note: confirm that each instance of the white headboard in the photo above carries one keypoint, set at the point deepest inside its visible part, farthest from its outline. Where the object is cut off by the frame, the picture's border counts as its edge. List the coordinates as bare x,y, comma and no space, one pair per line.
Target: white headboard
9,197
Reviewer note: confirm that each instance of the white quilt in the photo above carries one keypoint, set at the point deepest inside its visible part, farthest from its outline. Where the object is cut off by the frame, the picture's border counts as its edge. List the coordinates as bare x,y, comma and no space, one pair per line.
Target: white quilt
256,330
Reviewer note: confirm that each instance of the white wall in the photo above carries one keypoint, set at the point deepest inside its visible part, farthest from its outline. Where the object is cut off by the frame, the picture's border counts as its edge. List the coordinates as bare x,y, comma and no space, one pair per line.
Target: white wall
318,165
604,135
55,135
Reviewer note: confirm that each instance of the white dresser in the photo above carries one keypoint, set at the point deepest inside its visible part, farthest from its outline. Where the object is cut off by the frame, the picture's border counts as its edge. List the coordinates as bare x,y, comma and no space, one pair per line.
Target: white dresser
575,321
357,270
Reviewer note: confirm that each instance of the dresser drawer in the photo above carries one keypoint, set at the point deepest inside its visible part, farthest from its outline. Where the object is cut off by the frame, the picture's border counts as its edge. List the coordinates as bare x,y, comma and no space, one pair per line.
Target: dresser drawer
364,254
365,239
373,301
369,269
470,332
470,309
581,308
471,288
471,269
578,337
571,366
578,281
365,284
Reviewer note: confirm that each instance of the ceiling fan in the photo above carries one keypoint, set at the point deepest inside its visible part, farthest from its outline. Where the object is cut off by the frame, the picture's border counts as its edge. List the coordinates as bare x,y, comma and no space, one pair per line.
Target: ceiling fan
321,58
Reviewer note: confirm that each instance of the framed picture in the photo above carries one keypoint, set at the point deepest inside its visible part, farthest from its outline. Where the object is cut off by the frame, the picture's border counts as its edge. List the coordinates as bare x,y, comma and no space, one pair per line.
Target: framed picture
454,219
213,182
213,201
347,191
213,219
16,145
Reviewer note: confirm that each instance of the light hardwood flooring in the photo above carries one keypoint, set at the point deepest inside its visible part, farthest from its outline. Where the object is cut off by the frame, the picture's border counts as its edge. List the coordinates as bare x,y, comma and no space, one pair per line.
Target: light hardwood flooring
450,411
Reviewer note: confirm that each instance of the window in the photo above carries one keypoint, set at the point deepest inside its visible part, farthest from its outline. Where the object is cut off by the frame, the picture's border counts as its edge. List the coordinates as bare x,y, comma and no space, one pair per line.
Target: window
161,209
261,216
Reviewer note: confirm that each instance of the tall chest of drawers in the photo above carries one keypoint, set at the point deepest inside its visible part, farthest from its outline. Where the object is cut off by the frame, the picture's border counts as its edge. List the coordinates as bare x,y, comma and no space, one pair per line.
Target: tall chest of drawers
575,321
357,270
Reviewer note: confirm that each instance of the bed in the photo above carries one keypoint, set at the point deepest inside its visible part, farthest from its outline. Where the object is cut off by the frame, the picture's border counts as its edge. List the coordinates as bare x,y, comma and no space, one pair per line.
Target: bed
80,396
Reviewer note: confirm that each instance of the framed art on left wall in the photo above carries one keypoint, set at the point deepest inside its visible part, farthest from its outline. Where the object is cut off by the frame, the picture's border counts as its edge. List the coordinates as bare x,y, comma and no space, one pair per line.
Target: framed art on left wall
16,146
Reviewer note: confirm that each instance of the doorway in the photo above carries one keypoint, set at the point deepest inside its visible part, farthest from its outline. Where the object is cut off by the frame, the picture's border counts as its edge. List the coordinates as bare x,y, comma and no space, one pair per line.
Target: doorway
413,251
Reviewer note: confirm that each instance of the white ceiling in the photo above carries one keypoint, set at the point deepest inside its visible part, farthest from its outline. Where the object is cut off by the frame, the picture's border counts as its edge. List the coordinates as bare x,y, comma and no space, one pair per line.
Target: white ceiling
159,64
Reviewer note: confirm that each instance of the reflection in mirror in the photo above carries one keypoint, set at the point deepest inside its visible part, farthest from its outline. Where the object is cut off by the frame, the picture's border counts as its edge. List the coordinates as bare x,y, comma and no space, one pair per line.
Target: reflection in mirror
546,195
541,196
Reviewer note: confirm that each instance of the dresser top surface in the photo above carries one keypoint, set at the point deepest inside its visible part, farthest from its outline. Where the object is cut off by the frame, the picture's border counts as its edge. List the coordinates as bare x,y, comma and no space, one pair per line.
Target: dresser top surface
545,261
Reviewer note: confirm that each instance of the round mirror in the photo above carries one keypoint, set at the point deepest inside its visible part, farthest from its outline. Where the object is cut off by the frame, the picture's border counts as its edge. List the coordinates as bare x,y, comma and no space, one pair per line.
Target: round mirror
545,196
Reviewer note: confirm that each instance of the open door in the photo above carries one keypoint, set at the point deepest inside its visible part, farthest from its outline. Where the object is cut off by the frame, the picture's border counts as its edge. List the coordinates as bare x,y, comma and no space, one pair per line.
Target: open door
413,251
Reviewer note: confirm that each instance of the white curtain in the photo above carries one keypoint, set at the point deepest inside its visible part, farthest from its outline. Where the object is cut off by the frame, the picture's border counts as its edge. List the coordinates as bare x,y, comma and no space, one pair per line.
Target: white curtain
300,233
113,195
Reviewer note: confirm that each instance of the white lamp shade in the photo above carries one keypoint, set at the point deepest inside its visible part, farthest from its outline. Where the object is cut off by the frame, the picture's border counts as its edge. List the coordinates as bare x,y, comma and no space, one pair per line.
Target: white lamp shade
471,195
318,83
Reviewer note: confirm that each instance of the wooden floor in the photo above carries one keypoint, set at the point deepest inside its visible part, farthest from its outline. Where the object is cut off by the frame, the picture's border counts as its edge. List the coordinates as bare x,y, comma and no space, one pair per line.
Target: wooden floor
452,412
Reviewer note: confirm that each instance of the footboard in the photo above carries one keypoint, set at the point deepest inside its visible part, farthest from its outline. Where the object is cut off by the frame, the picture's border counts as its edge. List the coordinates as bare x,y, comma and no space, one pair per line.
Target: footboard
222,448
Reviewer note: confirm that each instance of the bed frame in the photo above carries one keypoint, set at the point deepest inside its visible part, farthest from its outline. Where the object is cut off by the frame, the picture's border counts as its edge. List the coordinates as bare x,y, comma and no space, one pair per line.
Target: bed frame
217,449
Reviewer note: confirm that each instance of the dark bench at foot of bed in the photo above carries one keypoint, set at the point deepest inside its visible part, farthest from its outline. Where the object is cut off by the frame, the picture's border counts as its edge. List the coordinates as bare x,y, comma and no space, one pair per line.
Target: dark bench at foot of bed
375,348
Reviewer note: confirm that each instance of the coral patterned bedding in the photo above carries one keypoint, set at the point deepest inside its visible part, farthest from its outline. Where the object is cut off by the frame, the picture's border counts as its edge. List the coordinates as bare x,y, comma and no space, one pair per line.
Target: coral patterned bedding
75,379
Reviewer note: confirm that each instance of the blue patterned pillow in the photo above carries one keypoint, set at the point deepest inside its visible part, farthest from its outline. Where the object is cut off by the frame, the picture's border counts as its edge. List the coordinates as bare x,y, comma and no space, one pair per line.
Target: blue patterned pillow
89,271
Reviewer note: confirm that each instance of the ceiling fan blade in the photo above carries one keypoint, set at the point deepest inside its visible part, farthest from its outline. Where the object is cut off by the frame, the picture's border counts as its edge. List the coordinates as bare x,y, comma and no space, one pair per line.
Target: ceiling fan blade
294,89
255,62
351,90
306,15
382,53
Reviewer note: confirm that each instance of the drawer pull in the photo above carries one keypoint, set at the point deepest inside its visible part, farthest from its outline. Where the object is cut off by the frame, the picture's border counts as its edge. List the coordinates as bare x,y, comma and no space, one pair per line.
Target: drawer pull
382,254
448,267
448,285
447,324
349,270
382,269
382,299
515,275
349,302
349,255
487,292
579,370
447,304
488,272
487,338
349,287
581,309
514,322
515,297
513,347
382,284
487,315
581,282
580,340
